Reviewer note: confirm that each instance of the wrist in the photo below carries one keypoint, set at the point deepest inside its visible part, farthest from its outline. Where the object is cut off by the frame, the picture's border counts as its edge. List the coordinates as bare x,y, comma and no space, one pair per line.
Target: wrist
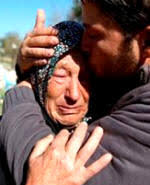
25,84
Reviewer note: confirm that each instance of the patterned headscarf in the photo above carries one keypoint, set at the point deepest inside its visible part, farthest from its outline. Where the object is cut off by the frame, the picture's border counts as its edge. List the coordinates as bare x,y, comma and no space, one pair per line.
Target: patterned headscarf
69,36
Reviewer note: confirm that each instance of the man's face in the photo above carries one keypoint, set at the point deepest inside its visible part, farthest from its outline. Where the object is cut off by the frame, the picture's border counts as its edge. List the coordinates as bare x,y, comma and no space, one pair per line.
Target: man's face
110,55
67,95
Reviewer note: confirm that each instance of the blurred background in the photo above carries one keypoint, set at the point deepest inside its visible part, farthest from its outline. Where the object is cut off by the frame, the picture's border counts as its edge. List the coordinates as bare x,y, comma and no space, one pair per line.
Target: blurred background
18,18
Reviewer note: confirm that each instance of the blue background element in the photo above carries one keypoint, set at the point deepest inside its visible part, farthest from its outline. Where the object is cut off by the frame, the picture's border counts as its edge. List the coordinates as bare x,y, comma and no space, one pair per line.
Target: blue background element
19,15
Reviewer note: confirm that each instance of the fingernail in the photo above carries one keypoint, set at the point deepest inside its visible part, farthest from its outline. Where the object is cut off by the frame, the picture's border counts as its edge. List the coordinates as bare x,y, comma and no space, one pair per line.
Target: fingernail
44,61
109,156
99,129
55,31
84,123
50,136
55,40
40,11
50,53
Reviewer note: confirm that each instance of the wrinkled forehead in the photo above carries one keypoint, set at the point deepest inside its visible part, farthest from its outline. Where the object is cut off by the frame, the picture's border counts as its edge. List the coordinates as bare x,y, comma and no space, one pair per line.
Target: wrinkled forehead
73,60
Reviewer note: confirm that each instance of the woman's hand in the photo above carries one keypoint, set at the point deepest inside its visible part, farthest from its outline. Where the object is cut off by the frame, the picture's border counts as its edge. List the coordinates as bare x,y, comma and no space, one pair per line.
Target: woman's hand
61,160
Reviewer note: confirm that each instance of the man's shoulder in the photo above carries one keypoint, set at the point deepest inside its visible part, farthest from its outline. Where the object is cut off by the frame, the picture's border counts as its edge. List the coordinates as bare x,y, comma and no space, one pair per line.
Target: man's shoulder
139,93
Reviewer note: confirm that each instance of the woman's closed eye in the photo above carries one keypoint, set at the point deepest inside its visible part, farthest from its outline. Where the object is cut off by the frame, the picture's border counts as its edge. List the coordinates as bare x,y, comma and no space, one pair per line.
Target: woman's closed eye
60,76
62,73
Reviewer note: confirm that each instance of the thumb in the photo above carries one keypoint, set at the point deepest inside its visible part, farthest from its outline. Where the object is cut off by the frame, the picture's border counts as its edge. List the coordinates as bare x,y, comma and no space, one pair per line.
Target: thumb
40,19
41,146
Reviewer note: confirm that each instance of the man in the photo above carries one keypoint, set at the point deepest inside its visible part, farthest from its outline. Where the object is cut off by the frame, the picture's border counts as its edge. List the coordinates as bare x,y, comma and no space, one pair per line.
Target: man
116,41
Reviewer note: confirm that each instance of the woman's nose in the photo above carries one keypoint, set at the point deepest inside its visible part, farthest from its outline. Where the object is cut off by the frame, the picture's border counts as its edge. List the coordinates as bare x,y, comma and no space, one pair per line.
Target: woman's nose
73,91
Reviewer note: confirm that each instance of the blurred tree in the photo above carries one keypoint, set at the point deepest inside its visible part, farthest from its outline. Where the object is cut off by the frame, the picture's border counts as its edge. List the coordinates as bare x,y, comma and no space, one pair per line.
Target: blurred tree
1,42
2,52
10,45
76,11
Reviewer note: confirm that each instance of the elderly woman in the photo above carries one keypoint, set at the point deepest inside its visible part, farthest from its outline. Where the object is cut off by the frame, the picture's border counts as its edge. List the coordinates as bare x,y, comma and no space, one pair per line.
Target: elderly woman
61,87
61,90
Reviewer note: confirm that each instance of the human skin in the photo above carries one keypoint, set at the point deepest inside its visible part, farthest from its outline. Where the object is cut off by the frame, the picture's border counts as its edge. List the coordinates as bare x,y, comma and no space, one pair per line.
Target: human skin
36,49
65,156
44,156
53,162
38,45
110,55
67,92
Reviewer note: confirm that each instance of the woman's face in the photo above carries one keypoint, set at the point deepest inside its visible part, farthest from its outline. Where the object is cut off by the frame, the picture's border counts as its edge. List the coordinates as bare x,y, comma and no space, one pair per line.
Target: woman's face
67,94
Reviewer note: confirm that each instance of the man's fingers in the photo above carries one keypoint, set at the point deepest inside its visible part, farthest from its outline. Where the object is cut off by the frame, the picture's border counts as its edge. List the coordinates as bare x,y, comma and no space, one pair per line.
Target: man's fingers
41,147
42,41
30,62
36,62
40,19
98,165
40,62
37,52
44,31
76,140
40,28
90,146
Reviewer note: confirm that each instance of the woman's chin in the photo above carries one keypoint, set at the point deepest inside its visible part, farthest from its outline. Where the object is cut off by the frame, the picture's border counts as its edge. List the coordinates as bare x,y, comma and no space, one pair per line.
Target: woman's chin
69,121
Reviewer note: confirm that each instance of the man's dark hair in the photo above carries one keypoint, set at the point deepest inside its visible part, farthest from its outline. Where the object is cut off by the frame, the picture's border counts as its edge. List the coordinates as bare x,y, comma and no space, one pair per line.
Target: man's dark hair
131,15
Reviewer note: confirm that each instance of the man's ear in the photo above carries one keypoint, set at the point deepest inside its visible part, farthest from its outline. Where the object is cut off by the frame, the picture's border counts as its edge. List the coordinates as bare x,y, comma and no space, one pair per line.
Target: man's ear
144,43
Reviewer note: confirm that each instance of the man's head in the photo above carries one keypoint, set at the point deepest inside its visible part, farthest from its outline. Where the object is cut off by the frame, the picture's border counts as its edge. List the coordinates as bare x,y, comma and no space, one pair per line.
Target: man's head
67,92
116,36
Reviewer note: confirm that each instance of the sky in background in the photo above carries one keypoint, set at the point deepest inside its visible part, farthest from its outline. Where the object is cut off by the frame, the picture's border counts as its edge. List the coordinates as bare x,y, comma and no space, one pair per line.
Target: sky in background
19,15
